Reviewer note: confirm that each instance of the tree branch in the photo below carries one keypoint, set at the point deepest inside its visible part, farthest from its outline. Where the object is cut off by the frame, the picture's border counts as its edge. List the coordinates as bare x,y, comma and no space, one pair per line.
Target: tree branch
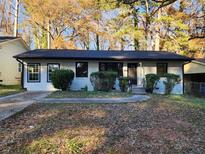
44,29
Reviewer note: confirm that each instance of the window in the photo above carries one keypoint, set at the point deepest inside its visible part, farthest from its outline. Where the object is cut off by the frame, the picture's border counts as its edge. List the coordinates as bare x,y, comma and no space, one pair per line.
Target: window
81,69
50,69
161,68
114,66
33,72
19,67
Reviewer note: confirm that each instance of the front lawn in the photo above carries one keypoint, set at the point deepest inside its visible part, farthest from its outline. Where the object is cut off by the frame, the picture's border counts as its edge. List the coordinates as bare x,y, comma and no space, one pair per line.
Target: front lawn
10,89
164,124
88,94
190,101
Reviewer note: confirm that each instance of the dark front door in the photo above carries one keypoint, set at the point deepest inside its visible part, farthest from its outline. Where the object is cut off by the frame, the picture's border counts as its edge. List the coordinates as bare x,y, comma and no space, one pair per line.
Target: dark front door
132,72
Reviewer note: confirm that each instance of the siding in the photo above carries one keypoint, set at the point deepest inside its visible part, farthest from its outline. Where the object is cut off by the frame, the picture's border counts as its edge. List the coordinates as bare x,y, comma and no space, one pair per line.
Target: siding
194,68
8,65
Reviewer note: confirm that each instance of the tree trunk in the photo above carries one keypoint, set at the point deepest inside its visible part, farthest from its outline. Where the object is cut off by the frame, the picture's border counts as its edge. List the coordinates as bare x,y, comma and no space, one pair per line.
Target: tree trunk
149,40
135,21
136,41
16,18
98,22
121,44
48,35
157,37
147,27
97,42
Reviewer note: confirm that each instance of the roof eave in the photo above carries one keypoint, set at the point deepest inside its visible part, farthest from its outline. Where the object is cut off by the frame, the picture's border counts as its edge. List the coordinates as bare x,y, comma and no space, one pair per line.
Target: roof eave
116,59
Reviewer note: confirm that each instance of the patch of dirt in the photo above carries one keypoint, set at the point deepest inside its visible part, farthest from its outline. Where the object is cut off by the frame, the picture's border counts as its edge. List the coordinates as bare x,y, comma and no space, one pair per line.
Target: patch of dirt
156,126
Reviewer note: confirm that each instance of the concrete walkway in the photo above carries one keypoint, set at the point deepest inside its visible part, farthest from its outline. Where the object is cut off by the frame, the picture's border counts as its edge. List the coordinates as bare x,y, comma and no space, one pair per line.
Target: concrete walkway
9,105
133,99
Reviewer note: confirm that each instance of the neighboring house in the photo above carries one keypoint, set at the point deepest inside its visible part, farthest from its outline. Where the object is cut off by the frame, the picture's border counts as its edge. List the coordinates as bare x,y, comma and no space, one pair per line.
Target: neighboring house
194,77
40,63
10,69
195,71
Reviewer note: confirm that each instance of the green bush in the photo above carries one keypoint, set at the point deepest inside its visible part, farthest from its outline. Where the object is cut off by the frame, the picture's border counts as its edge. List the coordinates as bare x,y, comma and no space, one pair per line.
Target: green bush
171,81
150,82
103,80
124,83
62,79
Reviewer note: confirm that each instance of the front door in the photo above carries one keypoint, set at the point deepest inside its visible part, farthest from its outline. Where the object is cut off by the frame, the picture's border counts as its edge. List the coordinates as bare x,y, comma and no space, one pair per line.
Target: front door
132,72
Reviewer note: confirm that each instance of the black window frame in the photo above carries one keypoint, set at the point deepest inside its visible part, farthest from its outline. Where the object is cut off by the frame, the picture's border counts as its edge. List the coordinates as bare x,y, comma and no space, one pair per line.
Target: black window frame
76,70
106,67
20,67
48,69
39,75
166,65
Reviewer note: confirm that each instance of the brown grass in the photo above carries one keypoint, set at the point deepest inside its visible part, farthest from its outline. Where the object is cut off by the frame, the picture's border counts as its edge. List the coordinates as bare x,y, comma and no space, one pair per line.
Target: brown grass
161,125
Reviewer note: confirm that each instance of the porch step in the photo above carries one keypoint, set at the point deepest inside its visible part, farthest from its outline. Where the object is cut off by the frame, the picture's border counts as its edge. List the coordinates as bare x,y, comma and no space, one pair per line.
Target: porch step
138,90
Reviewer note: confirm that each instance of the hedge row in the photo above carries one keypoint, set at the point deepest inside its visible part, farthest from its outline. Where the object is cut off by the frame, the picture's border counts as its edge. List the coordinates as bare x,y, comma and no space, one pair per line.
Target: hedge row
105,80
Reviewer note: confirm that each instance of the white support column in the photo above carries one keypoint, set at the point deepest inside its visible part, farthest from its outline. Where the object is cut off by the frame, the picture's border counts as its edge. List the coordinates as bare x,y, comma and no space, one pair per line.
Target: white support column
140,75
124,69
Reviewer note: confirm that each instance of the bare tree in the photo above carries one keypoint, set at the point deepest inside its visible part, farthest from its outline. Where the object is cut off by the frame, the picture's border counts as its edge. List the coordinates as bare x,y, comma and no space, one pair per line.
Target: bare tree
6,20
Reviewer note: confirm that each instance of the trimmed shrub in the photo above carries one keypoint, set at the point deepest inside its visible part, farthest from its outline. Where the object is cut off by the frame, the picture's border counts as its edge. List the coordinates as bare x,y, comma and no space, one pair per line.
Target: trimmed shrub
124,83
150,82
171,81
62,79
103,80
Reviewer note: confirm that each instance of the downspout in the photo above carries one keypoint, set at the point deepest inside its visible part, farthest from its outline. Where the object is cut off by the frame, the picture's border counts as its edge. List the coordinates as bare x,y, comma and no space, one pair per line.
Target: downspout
183,73
22,73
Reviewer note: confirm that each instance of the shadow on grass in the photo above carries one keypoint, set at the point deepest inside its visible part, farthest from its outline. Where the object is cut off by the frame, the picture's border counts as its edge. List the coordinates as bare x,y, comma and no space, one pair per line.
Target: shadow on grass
88,94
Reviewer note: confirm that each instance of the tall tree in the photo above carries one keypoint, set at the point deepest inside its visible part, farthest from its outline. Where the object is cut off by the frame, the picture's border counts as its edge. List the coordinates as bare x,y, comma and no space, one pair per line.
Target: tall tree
172,25
6,17
64,23
149,9
196,23
121,29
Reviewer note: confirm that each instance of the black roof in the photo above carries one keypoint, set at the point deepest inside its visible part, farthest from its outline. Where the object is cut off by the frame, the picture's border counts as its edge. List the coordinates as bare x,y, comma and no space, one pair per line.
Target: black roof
202,60
7,38
100,55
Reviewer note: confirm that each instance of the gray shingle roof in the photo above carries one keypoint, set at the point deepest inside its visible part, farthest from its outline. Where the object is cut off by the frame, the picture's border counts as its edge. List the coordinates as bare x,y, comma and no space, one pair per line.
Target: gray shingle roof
6,38
202,60
100,55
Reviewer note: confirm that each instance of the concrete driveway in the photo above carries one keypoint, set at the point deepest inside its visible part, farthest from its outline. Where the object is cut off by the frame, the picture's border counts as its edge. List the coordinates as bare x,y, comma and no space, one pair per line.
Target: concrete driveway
11,104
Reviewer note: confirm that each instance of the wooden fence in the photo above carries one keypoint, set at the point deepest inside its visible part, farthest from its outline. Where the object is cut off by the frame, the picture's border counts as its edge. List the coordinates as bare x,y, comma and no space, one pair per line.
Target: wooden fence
194,88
